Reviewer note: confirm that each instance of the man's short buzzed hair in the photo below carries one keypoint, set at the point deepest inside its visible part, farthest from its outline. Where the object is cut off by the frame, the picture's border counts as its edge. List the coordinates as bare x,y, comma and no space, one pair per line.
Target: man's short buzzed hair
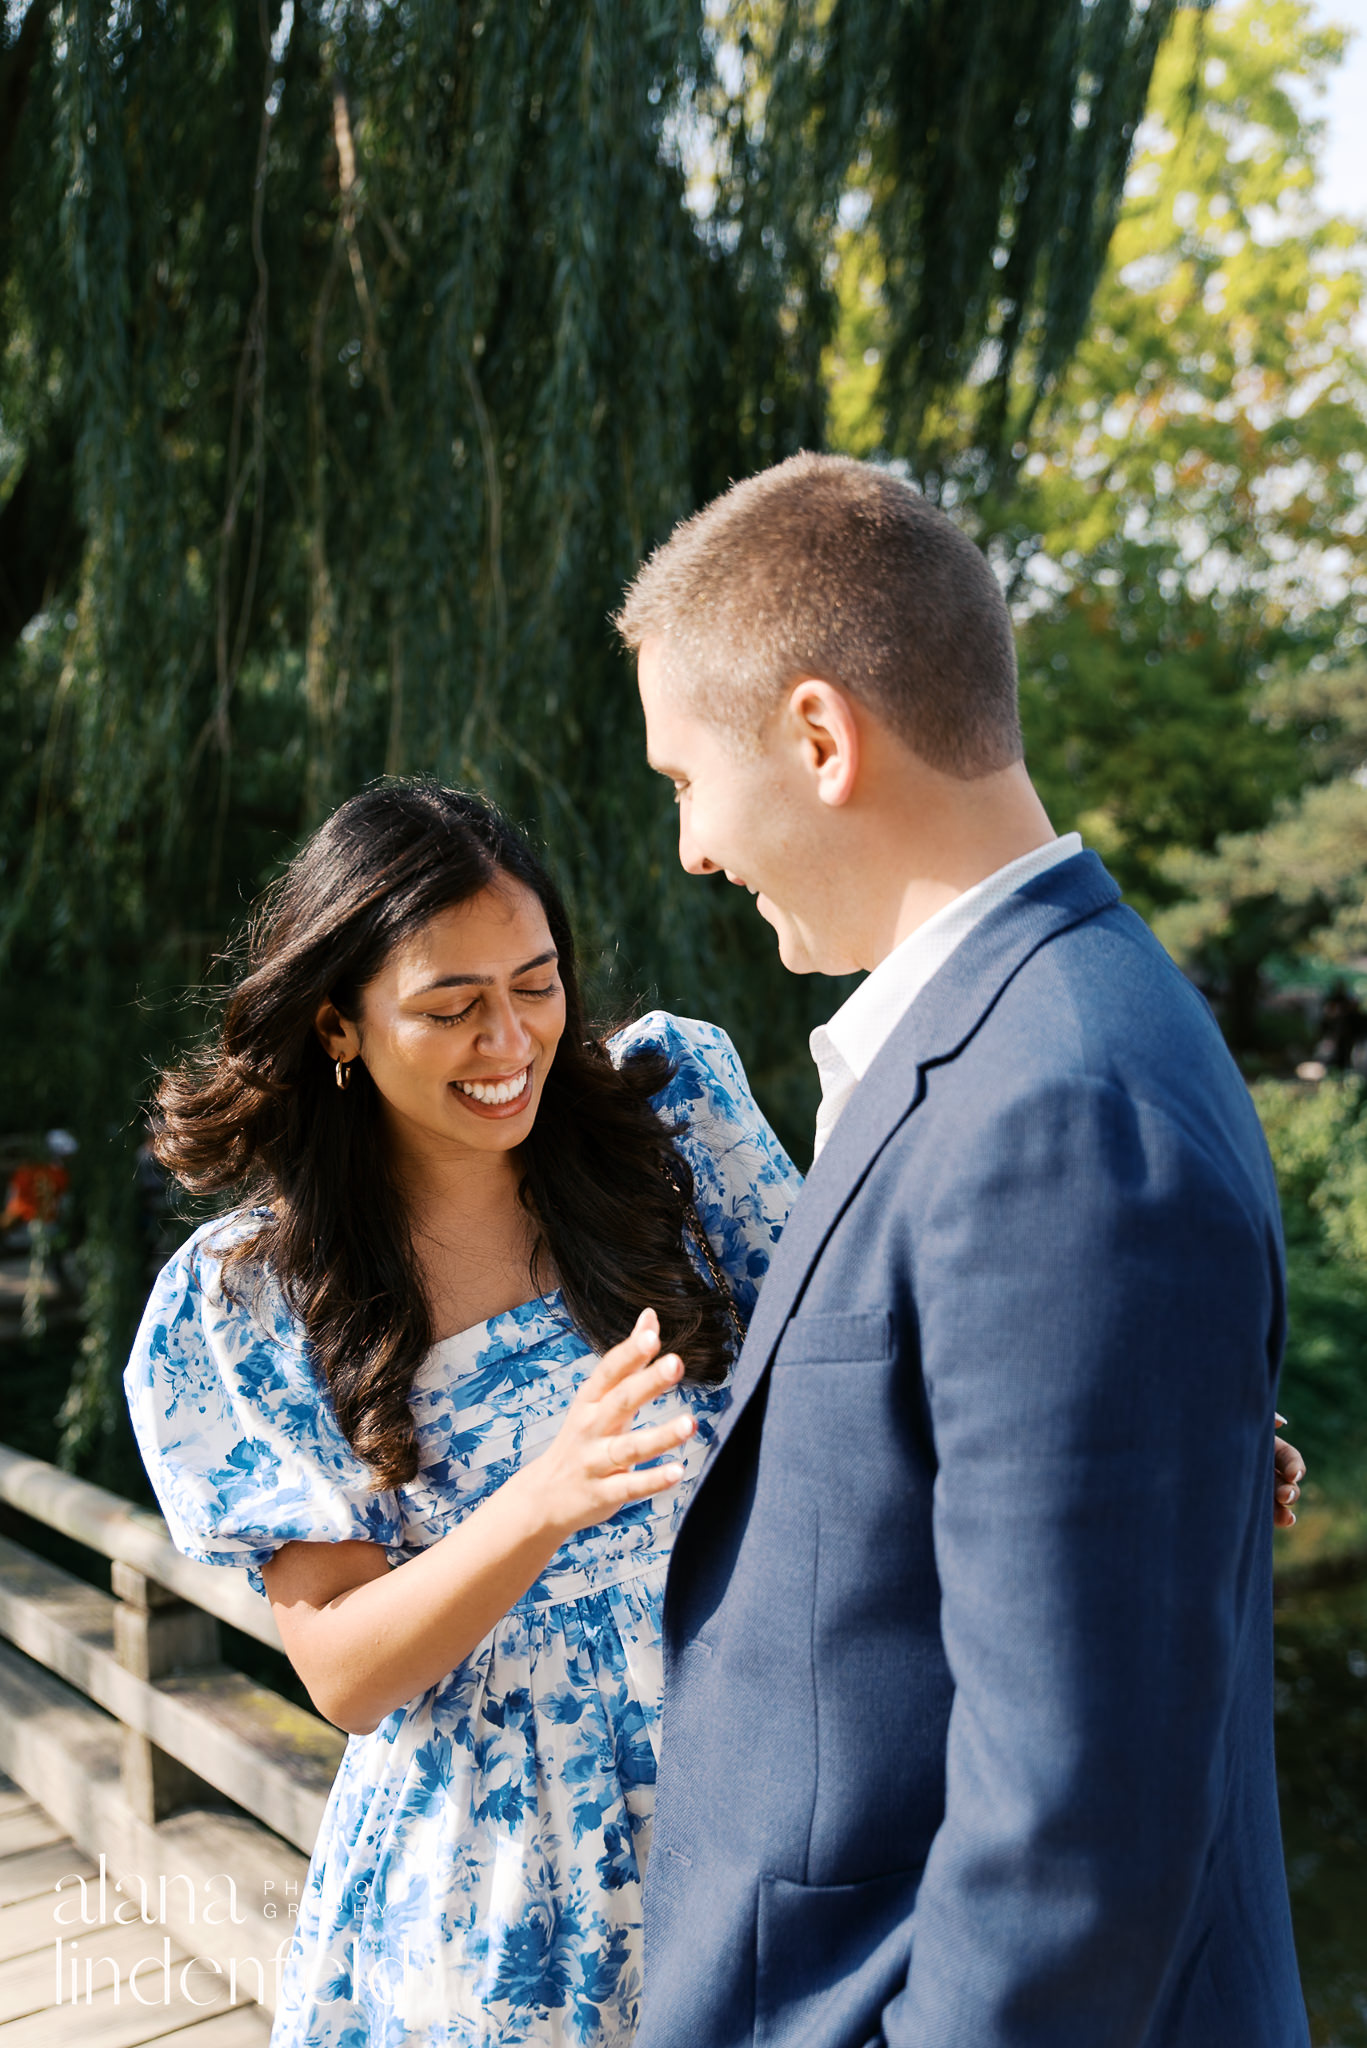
827,567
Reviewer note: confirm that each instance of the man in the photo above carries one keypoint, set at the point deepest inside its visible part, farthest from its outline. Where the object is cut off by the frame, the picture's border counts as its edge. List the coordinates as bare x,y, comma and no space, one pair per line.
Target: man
967,1742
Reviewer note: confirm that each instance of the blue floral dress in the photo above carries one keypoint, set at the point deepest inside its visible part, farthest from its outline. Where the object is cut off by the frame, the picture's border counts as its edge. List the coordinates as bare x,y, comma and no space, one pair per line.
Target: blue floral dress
477,1875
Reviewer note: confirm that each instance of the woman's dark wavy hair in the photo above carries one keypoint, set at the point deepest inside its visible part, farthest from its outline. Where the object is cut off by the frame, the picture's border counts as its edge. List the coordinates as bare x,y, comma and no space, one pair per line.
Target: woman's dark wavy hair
257,1112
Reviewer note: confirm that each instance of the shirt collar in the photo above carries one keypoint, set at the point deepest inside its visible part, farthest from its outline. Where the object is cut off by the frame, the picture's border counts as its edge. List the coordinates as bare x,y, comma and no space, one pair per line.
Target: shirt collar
845,1048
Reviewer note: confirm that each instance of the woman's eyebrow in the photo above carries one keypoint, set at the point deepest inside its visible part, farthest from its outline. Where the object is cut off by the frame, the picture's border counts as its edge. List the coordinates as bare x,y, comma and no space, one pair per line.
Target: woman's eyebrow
486,980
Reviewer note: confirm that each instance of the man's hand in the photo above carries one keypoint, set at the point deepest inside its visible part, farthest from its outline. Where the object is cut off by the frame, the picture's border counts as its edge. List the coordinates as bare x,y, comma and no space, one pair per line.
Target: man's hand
1288,1472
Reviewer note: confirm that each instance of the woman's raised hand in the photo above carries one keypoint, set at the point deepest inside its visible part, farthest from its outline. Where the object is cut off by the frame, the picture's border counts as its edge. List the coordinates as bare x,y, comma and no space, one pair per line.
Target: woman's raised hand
365,1639
590,1469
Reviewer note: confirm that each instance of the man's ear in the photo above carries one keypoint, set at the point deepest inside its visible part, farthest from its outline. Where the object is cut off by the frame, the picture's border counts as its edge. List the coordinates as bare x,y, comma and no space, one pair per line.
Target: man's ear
338,1037
823,721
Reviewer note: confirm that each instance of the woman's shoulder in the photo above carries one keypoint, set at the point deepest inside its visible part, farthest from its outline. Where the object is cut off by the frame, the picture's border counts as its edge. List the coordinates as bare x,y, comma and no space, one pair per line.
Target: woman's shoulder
708,1101
205,1296
707,1067
238,1438
743,1180
199,1261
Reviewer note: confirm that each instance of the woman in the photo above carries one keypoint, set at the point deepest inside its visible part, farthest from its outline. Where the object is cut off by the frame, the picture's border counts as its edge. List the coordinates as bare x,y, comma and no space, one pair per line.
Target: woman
455,1197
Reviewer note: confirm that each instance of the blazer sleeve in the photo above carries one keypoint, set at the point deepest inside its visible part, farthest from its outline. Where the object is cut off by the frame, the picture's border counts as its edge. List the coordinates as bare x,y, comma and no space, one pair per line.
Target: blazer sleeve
1100,1316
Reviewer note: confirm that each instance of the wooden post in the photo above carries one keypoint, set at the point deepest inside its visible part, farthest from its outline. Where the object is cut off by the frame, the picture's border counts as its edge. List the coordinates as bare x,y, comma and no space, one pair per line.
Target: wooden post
156,1633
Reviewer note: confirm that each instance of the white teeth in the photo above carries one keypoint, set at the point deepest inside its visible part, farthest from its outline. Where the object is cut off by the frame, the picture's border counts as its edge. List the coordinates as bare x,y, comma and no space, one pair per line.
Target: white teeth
494,1092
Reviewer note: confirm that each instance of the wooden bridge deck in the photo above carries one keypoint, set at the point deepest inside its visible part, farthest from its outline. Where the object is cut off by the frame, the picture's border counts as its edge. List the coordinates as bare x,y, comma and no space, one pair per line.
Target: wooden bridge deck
34,1853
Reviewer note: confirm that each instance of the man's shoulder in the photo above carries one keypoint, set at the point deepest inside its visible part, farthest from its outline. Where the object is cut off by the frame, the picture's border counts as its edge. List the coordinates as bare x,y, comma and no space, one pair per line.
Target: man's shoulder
1097,1009
1097,1033
1102,1001
1058,974
1103,988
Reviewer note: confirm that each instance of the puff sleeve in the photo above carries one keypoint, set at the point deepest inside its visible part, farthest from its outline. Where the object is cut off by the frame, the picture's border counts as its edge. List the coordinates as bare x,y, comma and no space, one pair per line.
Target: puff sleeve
237,1434
744,1182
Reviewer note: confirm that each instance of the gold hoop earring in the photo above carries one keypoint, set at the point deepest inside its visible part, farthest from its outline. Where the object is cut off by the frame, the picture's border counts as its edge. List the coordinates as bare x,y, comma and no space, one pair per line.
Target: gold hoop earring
343,1075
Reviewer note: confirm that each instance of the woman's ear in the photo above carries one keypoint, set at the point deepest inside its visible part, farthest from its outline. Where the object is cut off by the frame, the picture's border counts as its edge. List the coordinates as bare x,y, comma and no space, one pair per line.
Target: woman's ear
338,1037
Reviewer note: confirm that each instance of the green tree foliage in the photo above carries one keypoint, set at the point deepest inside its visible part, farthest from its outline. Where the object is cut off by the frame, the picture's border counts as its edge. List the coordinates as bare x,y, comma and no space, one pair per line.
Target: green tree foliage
982,152
354,353
1185,535
372,404
1296,887
1191,521
1318,1138
1189,562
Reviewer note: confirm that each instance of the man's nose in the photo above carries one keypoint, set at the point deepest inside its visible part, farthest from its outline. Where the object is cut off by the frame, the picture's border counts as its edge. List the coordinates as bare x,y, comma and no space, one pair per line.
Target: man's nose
691,855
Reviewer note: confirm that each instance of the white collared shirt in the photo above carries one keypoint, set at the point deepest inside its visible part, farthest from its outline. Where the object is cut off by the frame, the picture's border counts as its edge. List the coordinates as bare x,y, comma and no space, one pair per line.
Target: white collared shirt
846,1047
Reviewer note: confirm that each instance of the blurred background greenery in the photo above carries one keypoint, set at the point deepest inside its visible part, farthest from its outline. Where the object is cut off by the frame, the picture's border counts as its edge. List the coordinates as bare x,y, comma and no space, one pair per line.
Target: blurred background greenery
355,352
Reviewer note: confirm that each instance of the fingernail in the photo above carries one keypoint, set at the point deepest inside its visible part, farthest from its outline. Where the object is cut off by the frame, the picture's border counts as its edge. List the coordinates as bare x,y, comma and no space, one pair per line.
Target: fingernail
1280,1421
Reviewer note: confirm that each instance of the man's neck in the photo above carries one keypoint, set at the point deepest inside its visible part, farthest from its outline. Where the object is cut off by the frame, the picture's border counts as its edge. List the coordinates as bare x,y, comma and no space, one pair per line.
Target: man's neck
974,831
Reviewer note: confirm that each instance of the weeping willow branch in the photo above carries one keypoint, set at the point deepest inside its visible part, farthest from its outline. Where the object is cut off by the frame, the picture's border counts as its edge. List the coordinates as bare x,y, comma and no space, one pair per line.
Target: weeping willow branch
33,867
250,390
319,694
495,591
993,141
374,358
376,364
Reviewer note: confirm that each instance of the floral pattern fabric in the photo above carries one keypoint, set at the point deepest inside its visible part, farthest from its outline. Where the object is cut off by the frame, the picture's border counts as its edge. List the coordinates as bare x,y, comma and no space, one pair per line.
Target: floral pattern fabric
477,1875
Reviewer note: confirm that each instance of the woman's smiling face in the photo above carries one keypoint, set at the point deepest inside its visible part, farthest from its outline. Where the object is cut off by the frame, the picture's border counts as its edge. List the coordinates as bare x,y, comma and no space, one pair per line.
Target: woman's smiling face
460,1026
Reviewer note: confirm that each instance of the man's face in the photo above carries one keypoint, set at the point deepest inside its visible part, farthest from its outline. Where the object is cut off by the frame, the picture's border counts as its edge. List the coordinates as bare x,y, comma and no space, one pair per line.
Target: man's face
746,809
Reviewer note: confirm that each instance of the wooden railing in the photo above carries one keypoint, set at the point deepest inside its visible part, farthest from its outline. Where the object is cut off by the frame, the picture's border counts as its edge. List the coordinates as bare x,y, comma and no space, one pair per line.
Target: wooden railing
132,1731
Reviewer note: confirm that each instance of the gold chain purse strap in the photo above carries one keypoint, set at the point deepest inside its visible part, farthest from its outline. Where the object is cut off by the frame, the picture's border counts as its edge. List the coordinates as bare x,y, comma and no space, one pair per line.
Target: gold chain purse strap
693,1225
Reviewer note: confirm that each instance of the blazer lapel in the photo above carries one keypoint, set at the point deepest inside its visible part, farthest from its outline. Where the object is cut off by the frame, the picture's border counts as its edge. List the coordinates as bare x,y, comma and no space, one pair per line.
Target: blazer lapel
938,1024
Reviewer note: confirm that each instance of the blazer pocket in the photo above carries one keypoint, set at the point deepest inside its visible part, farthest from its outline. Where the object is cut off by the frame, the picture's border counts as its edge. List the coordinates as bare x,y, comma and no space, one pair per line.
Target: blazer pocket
864,1339
829,1957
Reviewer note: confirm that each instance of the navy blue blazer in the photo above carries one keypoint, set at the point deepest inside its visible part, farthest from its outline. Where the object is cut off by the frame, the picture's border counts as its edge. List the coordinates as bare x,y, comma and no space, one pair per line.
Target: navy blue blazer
967,1735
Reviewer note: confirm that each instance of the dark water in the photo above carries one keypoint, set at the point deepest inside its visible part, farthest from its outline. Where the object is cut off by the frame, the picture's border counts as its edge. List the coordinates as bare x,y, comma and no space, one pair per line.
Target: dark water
1322,1766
